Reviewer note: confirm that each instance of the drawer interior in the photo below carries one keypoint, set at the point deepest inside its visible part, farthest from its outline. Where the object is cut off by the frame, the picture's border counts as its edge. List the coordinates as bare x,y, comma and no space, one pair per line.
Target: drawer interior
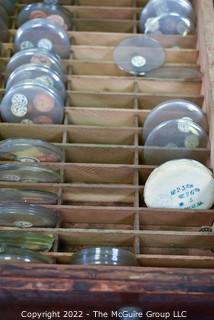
103,176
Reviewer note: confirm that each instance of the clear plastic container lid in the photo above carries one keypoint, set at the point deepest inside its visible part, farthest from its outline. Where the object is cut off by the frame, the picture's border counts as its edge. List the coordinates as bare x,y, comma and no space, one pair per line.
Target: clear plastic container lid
39,75
171,23
104,256
18,255
30,173
35,56
27,216
32,103
182,133
41,33
139,55
174,109
9,5
180,184
157,8
27,196
46,10
30,150
28,240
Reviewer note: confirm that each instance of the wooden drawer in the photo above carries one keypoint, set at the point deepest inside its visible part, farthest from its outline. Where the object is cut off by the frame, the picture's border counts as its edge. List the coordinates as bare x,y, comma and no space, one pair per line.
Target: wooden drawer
103,175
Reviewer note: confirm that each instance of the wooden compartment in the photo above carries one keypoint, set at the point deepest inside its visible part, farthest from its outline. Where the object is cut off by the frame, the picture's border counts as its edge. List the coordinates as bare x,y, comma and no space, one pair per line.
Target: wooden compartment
104,172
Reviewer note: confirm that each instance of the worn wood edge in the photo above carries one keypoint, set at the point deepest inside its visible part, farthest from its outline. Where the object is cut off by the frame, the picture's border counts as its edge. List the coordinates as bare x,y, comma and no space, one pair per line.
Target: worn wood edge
177,271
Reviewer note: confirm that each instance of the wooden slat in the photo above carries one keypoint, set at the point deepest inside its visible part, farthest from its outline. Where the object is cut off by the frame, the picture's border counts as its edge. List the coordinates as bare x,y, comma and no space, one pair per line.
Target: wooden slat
111,39
124,99
148,238
104,117
105,12
112,25
169,71
99,83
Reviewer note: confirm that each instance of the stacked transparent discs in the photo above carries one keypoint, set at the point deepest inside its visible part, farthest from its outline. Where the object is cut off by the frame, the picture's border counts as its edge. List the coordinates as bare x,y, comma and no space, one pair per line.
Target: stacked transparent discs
48,9
173,131
34,93
167,17
176,126
35,88
22,208
29,156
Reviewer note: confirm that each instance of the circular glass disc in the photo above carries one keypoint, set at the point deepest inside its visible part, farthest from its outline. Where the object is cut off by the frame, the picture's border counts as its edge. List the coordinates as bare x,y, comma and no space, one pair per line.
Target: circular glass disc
138,55
173,109
174,139
157,8
182,133
43,34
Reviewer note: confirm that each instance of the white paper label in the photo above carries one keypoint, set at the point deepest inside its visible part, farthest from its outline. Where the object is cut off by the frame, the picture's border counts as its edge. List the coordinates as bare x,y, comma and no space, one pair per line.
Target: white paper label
19,105
152,25
26,45
23,224
26,159
187,196
192,141
138,61
45,43
11,178
184,125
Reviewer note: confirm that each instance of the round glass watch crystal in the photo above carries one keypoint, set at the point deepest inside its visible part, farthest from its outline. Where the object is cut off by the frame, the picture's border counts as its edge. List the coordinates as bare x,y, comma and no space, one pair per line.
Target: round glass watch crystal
104,256
30,150
43,34
13,254
172,110
49,10
139,55
27,216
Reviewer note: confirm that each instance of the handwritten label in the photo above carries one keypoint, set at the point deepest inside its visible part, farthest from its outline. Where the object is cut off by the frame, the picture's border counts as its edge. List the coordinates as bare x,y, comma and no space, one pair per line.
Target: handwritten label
185,195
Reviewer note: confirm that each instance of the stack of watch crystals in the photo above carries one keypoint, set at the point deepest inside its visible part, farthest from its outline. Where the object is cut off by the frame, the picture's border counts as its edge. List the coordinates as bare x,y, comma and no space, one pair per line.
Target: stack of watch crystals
19,246
35,88
174,125
168,17
25,246
104,256
7,8
29,153
21,208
